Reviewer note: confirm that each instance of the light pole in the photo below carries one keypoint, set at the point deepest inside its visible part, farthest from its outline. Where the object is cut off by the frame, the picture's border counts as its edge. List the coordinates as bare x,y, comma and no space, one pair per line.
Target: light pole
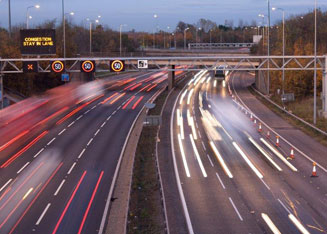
155,16
315,71
268,41
95,21
120,39
196,35
27,15
64,29
185,37
9,18
210,37
283,76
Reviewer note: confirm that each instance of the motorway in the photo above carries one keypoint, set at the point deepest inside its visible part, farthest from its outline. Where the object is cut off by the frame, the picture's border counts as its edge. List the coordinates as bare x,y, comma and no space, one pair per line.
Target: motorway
61,180
231,177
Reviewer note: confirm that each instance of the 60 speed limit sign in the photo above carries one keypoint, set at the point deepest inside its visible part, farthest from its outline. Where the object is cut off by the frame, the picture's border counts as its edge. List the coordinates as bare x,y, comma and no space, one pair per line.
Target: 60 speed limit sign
117,65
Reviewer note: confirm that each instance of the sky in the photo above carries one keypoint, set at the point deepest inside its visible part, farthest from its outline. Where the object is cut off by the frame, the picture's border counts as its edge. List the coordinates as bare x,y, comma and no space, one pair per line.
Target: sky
138,14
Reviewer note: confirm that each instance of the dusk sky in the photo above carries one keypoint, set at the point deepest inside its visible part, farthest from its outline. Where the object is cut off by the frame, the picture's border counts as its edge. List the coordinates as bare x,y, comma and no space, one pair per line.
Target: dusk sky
138,15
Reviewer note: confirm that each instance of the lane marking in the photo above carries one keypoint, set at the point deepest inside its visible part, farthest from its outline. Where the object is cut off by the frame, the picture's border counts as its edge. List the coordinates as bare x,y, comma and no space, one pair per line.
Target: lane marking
288,211
43,213
270,224
38,153
221,182
247,160
89,141
221,160
86,112
235,208
23,167
71,168
5,185
59,187
96,133
210,160
79,117
80,155
298,224
49,143
183,156
104,123
71,124
93,107
198,156
62,131
279,155
204,147
265,184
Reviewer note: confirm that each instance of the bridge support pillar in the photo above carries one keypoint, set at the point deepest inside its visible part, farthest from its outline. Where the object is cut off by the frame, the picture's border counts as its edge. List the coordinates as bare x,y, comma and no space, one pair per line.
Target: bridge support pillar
171,77
324,90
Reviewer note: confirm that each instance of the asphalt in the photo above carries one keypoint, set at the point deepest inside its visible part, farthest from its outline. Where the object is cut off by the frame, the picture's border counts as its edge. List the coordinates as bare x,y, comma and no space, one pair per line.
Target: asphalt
217,203
64,189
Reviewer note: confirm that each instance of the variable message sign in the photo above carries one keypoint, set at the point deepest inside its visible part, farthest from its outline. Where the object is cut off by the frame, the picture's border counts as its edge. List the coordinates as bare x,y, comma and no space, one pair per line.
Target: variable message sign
38,41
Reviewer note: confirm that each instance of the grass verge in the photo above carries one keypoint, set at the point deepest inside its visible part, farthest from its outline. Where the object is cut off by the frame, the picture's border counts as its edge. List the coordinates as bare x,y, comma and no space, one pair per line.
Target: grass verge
145,210
299,109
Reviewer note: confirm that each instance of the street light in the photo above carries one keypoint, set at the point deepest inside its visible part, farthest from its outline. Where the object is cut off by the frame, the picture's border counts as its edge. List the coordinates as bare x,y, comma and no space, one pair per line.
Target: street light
283,76
196,35
120,39
155,16
263,28
315,71
268,36
96,21
185,37
27,15
64,29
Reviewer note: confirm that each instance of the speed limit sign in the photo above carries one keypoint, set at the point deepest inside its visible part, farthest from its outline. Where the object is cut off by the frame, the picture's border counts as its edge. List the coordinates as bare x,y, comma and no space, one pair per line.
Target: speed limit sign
88,66
57,66
117,65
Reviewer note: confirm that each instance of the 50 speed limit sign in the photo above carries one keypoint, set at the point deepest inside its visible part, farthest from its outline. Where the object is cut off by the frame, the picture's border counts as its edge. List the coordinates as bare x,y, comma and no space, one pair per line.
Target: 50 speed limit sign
117,65
57,66
88,66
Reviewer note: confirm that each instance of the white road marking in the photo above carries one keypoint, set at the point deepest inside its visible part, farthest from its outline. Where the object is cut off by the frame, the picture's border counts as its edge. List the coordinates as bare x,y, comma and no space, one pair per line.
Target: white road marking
221,182
71,124
288,211
20,170
210,160
270,224
96,133
265,184
89,142
59,187
49,143
198,156
199,134
298,224
93,107
80,155
204,147
43,213
104,123
5,185
79,117
235,208
108,117
86,111
71,168
62,131
38,153
113,113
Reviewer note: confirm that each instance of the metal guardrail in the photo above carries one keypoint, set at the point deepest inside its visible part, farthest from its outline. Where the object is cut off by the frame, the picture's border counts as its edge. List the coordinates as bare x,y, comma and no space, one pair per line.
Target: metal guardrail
233,63
219,45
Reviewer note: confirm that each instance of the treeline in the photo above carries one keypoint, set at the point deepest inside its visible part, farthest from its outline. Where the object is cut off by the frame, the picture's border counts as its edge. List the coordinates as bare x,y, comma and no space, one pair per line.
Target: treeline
299,40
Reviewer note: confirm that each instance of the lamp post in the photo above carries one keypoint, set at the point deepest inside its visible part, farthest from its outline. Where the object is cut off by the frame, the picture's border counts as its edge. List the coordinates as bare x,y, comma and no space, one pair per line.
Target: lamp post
9,18
155,16
283,76
64,29
95,21
196,35
185,37
120,38
268,41
315,70
27,15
